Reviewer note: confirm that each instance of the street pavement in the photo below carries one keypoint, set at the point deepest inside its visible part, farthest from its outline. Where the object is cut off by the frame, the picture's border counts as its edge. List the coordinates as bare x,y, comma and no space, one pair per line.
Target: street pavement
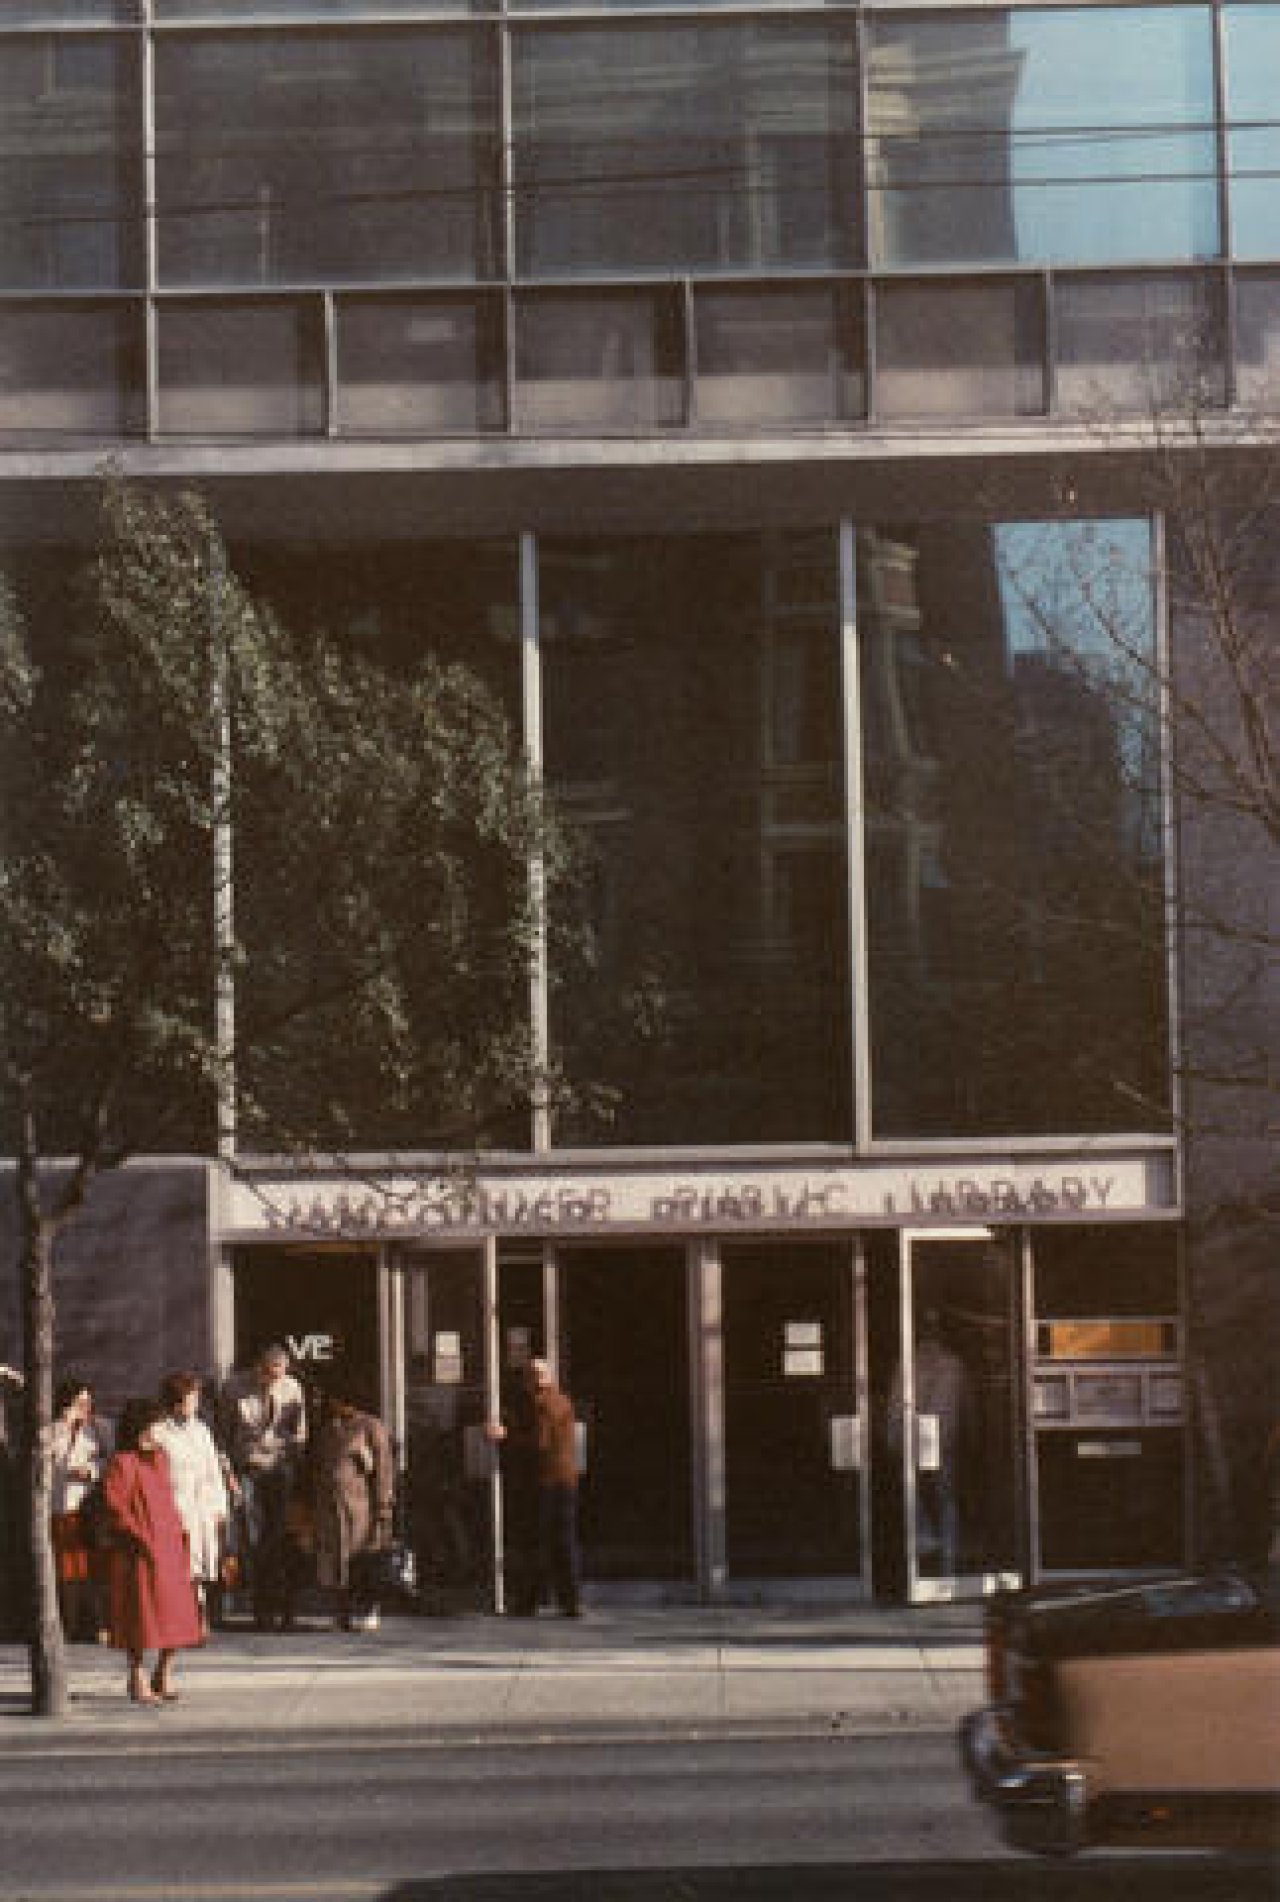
617,1672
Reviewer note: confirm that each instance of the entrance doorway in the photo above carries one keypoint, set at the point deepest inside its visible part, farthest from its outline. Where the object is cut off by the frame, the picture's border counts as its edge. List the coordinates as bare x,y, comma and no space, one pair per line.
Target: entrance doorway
625,1361
793,1351
321,1305
952,1416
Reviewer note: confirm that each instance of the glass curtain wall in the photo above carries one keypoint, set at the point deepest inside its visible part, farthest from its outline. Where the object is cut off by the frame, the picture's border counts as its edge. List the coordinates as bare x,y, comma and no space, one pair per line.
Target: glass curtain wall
693,730
286,158
1015,875
1073,135
395,603
677,147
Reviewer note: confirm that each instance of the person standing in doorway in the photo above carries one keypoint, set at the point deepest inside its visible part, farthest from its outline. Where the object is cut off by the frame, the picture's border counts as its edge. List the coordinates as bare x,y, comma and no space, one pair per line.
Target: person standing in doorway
353,1502
267,1432
542,1443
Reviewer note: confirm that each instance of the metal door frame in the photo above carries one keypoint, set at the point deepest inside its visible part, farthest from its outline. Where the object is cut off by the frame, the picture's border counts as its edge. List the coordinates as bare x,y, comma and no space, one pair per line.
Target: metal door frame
960,1585
857,1584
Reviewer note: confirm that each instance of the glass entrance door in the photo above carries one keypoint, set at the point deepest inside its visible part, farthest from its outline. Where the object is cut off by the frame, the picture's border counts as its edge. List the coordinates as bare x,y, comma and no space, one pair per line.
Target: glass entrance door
951,1414
794,1368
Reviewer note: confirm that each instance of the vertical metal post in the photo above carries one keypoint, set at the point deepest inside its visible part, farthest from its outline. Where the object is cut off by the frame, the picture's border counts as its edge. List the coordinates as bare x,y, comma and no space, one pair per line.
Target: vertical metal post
862,1409
706,1362
391,1336
493,1408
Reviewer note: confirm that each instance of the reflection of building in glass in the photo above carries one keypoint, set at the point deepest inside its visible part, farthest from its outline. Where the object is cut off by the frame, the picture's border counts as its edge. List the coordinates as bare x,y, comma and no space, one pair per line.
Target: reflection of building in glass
722,390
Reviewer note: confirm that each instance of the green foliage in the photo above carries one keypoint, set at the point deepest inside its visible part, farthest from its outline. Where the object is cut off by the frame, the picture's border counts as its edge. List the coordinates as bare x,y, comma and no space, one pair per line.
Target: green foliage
382,827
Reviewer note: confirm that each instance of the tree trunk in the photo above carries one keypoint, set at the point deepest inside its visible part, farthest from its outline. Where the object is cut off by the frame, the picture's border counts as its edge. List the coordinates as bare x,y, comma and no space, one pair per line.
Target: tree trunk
49,1691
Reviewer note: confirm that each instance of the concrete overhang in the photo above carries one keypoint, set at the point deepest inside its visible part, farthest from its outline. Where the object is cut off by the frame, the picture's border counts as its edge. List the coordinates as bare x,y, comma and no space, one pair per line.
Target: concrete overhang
343,490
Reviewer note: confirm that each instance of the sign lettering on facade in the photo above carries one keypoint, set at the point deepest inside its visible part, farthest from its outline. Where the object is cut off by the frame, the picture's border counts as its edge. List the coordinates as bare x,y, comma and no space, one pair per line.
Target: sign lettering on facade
869,1193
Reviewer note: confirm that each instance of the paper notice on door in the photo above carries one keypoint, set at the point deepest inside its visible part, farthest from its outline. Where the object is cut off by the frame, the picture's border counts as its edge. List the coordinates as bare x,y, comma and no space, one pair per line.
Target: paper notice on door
928,1443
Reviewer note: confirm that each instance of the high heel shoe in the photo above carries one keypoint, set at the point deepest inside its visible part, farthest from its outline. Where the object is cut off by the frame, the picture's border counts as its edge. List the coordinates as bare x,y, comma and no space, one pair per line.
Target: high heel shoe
162,1692
140,1692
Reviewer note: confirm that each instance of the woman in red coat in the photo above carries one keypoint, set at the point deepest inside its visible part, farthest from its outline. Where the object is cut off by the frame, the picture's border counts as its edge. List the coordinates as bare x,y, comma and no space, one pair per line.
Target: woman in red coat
151,1602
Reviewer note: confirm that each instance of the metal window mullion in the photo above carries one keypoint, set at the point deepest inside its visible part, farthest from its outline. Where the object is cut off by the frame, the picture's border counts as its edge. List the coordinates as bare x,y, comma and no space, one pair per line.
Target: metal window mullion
531,706
1170,834
689,331
1226,235
506,153
855,838
329,324
150,247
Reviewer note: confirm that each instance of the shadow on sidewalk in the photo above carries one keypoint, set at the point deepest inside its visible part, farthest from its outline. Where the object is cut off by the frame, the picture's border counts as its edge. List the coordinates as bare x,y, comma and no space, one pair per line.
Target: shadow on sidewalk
1157,1878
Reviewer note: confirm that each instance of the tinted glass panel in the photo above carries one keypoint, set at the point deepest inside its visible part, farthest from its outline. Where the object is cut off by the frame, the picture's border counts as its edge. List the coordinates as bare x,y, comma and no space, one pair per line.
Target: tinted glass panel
215,11
70,370
1138,343
240,370
1082,134
778,355
419,366
1253,88
959,350
287,158
692,697
70,123
67,12
395,601
1258,338
656,147
1013,841
604,362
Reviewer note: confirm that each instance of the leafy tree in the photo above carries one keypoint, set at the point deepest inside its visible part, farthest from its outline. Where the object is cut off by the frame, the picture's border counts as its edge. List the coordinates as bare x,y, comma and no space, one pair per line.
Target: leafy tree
168,748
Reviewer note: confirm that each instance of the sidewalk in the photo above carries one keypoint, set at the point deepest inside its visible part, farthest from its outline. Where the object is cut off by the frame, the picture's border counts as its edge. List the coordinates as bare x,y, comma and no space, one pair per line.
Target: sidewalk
621,1671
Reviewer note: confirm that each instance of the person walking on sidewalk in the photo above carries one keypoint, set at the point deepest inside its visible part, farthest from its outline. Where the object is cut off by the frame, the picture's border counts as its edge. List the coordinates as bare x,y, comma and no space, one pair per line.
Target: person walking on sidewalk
268,1432
151,1600
353,1502
199,1491
542,1444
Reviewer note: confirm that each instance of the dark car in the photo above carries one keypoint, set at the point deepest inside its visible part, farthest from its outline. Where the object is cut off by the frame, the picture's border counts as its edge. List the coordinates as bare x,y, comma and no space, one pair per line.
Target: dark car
1142,1713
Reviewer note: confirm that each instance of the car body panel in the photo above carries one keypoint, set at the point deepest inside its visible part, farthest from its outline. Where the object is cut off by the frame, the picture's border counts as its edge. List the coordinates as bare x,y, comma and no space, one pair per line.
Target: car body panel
1133,1711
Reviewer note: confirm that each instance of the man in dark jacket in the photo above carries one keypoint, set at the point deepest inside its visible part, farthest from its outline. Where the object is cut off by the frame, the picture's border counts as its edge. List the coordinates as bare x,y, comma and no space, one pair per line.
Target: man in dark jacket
542,1454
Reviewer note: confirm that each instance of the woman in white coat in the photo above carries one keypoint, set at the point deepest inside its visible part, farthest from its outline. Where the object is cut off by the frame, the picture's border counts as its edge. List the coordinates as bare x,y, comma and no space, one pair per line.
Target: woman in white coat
199,1489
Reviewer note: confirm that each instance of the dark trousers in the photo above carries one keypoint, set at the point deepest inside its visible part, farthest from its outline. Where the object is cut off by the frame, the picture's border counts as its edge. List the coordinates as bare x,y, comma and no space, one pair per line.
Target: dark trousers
558,1546
270,1560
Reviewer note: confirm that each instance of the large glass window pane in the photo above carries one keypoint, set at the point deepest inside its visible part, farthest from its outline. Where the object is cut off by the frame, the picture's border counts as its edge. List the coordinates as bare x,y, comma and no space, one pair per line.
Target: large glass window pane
287,158
782,354
692,724
215,12
70,194
1014,886
67,12
1253,89
395,601
240,370
1258,339
419,366
1073,134
680,145
71,369
1150,343
959,350
608,361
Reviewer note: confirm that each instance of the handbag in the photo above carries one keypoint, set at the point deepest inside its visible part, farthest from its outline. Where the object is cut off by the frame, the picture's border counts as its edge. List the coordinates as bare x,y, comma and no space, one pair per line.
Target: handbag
387,1573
